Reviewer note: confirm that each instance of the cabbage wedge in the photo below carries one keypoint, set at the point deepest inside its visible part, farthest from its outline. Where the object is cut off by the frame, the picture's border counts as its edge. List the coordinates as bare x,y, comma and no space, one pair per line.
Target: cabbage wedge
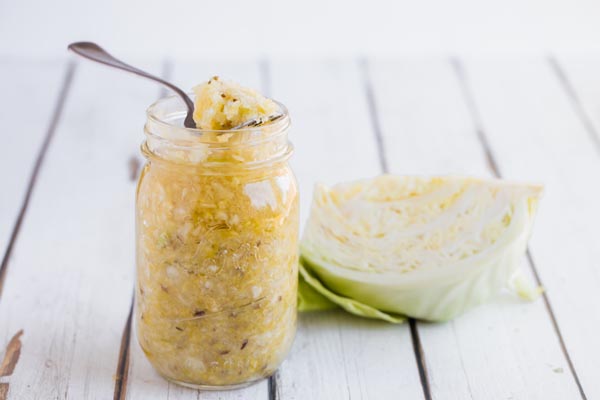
422,247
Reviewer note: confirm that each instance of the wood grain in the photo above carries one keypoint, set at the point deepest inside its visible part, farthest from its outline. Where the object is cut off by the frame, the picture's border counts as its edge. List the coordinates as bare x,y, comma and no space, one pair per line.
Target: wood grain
505,349
69,285
385,169
338,356
537,135
577,77
70,258
27,138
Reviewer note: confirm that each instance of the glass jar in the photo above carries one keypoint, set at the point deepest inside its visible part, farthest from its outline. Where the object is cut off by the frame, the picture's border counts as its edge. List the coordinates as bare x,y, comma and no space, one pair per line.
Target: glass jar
217,231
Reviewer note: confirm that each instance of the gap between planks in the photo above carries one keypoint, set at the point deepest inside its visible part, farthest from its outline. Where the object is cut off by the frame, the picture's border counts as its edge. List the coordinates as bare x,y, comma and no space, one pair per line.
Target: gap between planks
469,99
274,393
123,363
376,127
575,101
122,370
56,114
122,366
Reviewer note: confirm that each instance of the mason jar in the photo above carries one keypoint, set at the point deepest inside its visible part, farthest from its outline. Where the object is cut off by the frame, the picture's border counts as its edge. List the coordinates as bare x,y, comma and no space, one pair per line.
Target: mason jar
216,238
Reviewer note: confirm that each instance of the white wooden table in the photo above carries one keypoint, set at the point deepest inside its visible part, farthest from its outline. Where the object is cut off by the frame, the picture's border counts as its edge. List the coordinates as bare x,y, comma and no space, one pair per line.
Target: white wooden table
67,181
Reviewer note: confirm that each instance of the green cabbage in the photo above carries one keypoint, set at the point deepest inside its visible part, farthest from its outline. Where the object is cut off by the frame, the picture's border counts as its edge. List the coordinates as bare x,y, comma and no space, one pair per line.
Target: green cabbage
427,248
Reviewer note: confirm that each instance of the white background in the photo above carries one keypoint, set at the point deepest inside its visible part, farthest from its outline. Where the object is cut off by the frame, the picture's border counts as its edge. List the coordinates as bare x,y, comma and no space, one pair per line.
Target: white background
198,28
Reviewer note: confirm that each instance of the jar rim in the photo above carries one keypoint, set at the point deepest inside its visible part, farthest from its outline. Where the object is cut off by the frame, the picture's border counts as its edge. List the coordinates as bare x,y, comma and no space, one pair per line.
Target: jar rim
197,135
168,139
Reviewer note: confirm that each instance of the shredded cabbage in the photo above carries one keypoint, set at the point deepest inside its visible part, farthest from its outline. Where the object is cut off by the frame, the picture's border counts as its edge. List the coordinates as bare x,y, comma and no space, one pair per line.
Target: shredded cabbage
423,247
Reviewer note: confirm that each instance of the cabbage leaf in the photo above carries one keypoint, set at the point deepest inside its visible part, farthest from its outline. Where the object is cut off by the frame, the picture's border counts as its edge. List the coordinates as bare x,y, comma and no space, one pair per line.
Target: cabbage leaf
422,247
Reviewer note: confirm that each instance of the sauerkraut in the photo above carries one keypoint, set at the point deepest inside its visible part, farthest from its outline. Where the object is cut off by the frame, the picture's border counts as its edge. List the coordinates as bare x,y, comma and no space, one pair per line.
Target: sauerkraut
217,226
224,105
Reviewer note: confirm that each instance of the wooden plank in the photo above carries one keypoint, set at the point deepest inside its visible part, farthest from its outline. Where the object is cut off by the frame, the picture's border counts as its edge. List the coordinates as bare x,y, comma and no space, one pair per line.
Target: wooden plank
25,137
537,134
70,282
143,382
578,76
337,356
505,349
